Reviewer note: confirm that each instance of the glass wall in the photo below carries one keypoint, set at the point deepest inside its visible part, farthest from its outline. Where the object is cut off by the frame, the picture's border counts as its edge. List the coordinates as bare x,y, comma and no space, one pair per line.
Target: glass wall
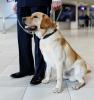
86,16
7,16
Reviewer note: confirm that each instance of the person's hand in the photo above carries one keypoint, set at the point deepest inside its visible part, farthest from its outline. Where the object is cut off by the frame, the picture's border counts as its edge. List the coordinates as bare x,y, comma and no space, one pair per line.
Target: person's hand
15,7
56,5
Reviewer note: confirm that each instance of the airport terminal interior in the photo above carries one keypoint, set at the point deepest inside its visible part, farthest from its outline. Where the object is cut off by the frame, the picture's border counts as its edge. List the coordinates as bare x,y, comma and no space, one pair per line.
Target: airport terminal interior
76,23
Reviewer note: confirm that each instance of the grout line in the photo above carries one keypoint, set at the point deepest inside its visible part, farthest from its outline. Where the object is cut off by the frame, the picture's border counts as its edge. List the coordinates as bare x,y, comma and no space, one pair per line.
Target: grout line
24,93
68,90
13,86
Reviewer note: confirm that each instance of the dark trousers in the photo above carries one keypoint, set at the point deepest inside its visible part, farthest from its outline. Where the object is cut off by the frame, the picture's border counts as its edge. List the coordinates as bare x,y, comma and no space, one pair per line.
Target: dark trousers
25,44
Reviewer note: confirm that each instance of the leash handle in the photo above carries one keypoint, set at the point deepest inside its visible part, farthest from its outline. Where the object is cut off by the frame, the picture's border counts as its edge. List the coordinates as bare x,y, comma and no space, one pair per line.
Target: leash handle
53,14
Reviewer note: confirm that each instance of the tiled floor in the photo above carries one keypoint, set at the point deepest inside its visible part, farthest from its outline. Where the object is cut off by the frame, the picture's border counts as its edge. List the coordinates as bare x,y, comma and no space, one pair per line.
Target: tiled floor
20,89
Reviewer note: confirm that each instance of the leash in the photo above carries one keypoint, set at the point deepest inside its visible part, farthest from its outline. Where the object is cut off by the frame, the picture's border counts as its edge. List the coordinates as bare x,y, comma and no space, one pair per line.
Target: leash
22,26
59,14
53,17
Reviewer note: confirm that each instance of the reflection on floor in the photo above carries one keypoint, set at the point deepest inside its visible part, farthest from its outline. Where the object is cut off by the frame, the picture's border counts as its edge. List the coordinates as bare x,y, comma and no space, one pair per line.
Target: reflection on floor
20,89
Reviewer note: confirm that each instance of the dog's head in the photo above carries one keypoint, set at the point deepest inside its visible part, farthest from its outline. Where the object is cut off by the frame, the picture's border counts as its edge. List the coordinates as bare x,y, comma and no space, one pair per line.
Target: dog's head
39,23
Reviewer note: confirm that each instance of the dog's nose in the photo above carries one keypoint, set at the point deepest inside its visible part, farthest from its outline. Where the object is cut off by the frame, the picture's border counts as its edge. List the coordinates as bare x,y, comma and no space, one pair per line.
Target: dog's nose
23,19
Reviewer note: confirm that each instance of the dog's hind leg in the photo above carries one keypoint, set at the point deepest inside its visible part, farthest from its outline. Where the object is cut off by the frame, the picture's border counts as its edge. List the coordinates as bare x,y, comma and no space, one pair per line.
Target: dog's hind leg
79,74
80,83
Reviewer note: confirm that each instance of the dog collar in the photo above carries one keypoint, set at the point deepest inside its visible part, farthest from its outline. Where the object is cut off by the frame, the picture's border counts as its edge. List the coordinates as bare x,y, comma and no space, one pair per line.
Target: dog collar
46,36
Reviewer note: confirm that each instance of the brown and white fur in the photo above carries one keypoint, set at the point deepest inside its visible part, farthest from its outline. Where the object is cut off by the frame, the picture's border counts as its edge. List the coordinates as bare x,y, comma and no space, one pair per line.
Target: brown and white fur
57,52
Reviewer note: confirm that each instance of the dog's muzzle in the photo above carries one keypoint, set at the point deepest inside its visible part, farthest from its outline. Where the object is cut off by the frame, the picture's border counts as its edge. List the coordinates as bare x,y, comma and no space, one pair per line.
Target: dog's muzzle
31,28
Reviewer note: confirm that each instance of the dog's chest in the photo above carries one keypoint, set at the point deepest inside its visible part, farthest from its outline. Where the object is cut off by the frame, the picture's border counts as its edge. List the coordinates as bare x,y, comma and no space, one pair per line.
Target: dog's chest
45,47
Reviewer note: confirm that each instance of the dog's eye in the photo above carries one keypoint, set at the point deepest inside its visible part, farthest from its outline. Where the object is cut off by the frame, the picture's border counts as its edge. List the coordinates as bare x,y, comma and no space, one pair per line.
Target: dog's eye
35,16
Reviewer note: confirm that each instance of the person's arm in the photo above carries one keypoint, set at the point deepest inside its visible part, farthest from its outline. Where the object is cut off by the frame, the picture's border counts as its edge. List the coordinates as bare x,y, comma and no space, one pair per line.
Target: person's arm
56,4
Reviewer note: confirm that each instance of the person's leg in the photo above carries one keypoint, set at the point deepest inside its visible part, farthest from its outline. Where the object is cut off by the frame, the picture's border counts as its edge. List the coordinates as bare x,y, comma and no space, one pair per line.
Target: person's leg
40,64
26,62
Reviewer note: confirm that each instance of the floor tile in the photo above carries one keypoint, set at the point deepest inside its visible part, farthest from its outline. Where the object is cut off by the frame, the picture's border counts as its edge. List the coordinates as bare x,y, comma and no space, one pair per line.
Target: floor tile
6,80
12,93
82,94
44,92
10,70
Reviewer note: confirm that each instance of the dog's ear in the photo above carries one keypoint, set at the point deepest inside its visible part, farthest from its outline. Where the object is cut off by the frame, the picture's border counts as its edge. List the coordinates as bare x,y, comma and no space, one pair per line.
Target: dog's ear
47,23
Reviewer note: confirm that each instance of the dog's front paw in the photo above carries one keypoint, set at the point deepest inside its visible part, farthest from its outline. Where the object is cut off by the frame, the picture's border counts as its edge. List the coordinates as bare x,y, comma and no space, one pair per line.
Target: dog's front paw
78,86
57,90
45,81
75,87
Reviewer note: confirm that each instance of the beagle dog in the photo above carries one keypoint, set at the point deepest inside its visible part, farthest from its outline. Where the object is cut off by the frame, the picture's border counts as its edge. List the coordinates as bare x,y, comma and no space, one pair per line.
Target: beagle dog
57,52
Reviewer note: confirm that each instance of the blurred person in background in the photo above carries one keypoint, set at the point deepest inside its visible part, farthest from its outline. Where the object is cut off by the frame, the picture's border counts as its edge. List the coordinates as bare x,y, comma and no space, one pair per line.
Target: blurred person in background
86,18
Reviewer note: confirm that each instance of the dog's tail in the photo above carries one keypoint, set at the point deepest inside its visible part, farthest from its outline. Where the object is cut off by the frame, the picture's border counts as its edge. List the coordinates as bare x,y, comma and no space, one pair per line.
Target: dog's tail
88,71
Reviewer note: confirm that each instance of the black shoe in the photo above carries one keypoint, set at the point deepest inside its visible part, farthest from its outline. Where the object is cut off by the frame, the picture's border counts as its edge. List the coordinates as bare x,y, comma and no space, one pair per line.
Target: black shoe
20,75
36,81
